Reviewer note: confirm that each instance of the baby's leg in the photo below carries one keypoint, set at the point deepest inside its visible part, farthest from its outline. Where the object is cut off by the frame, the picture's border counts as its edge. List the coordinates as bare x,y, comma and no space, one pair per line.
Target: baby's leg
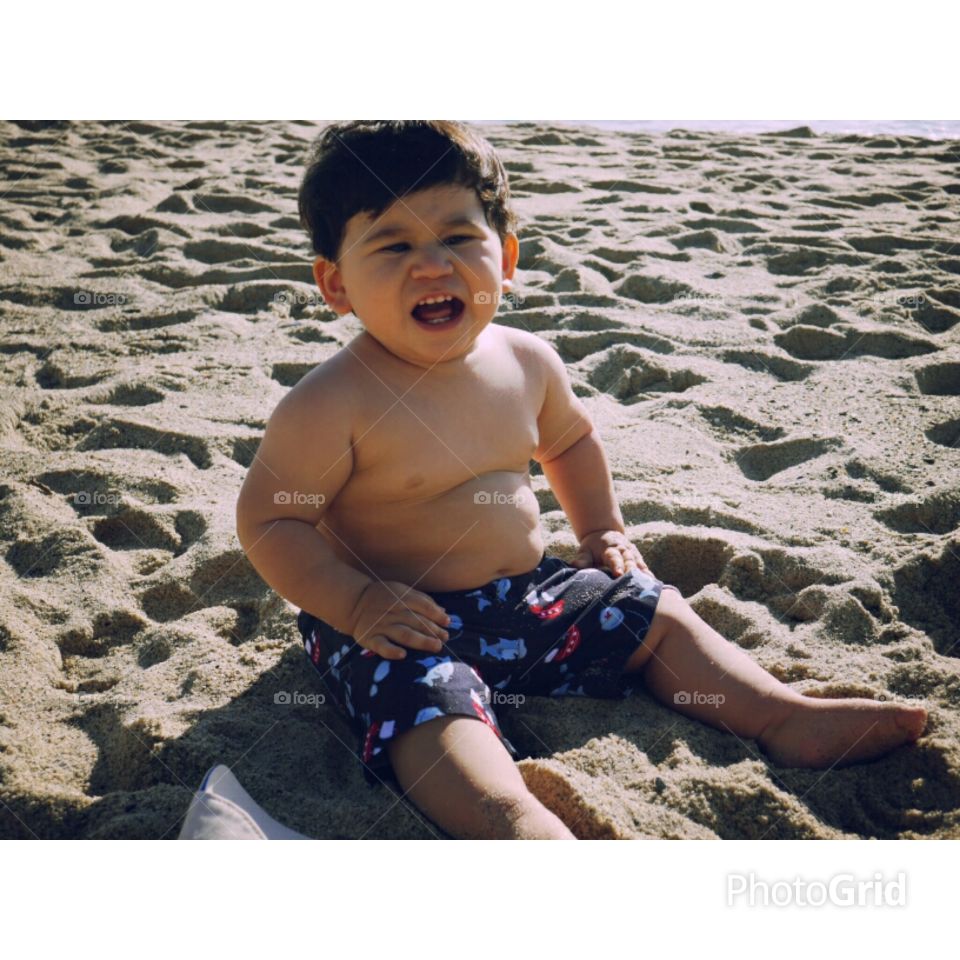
719,684
456,770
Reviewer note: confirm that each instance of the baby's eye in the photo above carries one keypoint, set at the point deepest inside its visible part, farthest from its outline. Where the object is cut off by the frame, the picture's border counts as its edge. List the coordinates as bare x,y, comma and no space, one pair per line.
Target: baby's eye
393,246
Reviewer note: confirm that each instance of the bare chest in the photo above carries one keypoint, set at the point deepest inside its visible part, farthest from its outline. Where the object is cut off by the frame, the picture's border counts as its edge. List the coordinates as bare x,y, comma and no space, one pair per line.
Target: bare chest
420,437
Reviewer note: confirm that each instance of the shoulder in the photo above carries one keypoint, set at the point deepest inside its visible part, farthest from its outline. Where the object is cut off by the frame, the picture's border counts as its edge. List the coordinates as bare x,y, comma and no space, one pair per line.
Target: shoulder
532,351
326,390
521,340
538,356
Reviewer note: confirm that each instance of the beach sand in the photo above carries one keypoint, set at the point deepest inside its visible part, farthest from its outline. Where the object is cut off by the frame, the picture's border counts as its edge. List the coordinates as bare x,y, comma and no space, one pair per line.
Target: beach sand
765,329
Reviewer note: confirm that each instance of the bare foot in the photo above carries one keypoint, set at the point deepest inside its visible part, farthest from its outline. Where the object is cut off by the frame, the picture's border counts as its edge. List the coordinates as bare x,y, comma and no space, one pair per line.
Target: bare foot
834,733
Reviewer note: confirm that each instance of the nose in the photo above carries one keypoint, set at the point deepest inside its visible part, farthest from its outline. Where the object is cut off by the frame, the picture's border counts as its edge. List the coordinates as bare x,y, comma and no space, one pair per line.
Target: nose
433,260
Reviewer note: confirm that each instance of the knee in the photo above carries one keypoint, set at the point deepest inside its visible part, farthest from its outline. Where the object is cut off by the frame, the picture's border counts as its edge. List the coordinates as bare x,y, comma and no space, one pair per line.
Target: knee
517,816
499,814
671,609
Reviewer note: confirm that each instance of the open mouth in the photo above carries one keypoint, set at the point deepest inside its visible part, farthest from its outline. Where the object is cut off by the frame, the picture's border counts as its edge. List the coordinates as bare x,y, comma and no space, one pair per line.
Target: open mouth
439,315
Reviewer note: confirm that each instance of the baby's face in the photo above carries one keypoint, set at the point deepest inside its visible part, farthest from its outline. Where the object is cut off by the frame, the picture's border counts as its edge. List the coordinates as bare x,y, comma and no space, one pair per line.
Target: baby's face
382,279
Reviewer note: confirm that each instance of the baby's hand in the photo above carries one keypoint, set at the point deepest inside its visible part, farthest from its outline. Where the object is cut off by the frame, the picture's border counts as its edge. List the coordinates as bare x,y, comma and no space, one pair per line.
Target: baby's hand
388,610
611,549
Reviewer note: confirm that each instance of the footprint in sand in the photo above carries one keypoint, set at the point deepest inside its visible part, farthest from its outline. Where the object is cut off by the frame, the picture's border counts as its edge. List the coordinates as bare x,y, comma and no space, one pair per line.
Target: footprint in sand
687,560
178,278
925,592
816,315
812,343
542,186
804,260
723,225
146,321
782,368
939,379
249,230
815,343
226,251
627,373
727,424
761,461
130,394
230,203
289,373
115,432
934,513
888,244
705,239
615,255
65,372
88,491
648,289
946,433
135,224
144,245
175,203
256,296
223,578
163,343
109,629
576,346
139,528
937,312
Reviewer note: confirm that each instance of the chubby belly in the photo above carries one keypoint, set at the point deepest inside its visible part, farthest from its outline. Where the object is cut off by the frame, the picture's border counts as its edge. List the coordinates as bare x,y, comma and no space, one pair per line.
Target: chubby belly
458,539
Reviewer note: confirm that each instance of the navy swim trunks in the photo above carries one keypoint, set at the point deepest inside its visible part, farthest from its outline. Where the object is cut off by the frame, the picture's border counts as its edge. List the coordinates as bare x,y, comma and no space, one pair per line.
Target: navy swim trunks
555,631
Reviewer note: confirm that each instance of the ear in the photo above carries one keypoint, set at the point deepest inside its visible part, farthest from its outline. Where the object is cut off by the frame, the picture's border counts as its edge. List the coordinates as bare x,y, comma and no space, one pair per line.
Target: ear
511,253
329,280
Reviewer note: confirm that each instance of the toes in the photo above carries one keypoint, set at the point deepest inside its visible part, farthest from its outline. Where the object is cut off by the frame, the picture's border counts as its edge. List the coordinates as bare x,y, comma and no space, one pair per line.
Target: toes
913,721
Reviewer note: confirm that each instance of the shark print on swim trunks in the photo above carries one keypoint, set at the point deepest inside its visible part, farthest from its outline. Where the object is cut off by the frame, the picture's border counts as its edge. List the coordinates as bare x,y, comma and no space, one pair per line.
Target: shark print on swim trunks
557,630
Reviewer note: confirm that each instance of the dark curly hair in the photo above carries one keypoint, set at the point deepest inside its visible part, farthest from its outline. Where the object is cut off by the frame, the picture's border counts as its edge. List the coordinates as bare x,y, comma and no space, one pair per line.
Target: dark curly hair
362,166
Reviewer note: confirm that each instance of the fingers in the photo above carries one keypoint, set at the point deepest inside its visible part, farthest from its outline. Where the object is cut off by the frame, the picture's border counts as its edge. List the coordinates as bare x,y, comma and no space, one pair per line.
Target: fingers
384,648
421,604
428,620
430,608
623,559
396,616
425,626
427,634
393,636
407,630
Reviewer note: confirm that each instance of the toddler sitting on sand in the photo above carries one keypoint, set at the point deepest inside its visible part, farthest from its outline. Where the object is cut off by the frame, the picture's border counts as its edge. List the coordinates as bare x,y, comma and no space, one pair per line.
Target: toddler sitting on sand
390,500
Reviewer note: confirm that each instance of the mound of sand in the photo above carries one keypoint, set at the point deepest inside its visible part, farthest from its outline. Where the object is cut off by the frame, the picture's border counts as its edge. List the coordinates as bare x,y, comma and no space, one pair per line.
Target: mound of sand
765,329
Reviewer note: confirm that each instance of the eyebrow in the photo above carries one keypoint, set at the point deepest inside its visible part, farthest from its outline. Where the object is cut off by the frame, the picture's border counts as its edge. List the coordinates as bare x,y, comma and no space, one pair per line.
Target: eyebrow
459,221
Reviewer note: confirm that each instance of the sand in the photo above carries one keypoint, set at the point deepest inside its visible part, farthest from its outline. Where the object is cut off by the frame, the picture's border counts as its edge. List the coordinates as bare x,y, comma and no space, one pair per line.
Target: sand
765,329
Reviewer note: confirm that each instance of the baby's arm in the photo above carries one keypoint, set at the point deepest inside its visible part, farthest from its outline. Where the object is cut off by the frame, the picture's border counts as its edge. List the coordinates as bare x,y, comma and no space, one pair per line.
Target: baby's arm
575,465
304,461
571,453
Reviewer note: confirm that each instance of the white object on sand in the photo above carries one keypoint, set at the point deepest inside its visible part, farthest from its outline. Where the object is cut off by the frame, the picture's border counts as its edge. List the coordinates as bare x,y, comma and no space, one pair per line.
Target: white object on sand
222,810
